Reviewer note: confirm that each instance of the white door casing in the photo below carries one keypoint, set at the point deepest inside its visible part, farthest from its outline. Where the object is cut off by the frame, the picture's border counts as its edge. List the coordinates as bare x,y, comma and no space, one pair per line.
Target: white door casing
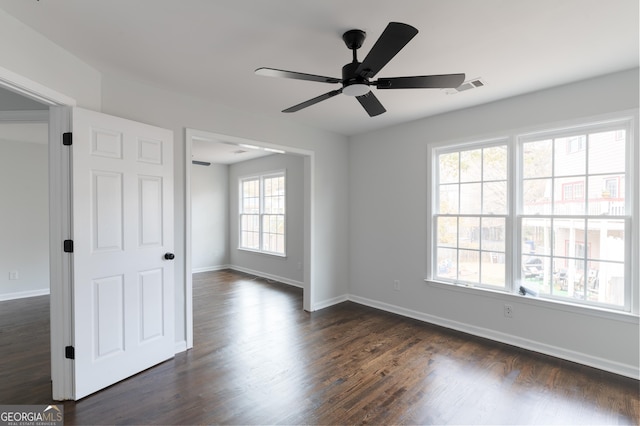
122,227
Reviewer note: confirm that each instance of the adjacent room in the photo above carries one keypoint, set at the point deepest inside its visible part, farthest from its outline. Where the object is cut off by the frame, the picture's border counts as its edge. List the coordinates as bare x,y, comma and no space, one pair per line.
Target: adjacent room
201,225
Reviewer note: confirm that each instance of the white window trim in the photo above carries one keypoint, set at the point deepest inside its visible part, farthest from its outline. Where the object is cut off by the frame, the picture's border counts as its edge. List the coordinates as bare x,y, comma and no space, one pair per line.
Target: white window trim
486,143
632,269
261,177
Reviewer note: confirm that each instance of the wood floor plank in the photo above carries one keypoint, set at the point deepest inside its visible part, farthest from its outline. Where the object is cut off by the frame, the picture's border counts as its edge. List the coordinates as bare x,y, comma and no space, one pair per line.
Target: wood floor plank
258,358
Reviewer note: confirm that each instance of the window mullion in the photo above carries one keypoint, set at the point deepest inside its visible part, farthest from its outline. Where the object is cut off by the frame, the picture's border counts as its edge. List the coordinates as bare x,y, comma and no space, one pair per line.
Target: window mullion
513,255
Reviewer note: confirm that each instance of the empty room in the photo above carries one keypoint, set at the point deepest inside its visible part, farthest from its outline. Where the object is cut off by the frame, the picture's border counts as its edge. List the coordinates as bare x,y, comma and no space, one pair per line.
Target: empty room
284,212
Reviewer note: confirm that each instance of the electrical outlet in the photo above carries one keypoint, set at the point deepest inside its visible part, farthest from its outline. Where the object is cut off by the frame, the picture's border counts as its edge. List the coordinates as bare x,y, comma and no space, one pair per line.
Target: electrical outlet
396,285
13,275
508,311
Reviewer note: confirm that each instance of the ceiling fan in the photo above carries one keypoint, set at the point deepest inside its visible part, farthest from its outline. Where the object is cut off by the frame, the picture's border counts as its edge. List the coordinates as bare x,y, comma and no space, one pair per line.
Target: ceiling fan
356,75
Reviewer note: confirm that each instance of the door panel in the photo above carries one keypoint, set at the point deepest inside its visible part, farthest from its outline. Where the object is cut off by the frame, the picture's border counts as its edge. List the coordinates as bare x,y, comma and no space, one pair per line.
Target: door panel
123,289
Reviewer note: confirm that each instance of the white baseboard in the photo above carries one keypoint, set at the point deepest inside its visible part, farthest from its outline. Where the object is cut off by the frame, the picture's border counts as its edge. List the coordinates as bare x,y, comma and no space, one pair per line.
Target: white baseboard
569,355
329,302
284,280
209,268
24,294
181,346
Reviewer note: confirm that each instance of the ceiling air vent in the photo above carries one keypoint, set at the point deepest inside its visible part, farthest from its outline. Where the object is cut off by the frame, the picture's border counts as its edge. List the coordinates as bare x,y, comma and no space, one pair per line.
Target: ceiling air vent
474,83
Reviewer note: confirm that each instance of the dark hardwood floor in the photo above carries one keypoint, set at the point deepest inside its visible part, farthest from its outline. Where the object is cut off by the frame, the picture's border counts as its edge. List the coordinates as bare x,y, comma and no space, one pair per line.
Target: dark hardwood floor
259,359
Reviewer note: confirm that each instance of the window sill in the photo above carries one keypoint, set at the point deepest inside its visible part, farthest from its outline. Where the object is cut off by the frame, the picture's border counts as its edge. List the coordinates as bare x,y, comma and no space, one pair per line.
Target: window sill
556,305
266,253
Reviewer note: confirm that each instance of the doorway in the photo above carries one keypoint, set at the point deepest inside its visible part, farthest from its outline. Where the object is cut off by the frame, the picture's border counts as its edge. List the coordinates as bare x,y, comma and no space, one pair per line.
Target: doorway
254,149
23,93
24,252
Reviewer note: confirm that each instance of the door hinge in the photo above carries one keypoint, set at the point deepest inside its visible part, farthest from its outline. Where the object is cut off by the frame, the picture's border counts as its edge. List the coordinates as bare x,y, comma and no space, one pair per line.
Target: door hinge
68,246
69,352
67,138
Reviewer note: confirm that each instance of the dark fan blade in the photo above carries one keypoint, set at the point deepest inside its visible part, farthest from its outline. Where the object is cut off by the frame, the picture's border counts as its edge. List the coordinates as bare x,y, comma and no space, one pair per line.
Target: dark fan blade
271,72
371,104
392,40
313,101
421,82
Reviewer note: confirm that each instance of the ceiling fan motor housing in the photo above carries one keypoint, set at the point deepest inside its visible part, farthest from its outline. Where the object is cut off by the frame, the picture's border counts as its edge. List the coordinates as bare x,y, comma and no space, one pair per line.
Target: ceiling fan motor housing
353,84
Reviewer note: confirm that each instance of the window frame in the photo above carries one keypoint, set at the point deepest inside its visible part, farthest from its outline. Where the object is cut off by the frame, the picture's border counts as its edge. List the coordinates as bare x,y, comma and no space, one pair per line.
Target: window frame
628,121
261,177
455,148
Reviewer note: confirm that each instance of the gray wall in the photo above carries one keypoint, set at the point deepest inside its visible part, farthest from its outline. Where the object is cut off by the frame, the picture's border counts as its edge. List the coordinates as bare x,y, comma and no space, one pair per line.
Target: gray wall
388,228
33,56
24,218
287,269
209,217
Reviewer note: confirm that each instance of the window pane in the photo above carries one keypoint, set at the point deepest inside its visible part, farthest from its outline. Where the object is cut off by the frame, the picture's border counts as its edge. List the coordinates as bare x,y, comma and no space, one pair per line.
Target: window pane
570,156
471,165
606,239
494,163
273,233
447,260
570,278
268,190
536,196
448,199
569,238
607,195
469,266
448,168
493,269
537,159
494,197
605,283
470,198
536,273
493,234
607,152
469,233
569,196
536,236
447,230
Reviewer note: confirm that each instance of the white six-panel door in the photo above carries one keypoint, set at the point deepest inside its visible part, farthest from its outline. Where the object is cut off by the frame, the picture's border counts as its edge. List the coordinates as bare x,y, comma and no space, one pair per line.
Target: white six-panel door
122,224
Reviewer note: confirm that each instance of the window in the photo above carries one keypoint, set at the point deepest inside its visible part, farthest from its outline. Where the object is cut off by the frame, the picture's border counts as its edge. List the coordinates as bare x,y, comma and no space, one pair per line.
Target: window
547,213
471,212
582,245
262,213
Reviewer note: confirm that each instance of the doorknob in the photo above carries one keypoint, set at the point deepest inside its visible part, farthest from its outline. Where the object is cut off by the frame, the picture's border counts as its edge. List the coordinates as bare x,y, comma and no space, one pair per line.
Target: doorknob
169,256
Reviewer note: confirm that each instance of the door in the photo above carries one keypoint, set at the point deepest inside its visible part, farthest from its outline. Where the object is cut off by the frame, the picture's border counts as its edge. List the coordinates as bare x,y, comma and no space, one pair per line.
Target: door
122,230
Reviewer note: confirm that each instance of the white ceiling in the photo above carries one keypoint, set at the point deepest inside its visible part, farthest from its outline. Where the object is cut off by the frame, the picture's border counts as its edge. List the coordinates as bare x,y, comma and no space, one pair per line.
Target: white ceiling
220,152
210,48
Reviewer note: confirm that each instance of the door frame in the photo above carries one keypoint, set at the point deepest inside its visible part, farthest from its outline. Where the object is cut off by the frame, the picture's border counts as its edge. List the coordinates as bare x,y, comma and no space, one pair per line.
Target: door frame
309,161
59,224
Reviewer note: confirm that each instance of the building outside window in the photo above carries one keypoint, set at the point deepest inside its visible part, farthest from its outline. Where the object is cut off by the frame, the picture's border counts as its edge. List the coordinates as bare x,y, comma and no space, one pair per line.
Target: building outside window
262,213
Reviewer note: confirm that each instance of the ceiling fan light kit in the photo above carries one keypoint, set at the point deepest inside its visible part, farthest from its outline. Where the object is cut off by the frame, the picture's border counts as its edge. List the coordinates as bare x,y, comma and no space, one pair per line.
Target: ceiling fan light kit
356,75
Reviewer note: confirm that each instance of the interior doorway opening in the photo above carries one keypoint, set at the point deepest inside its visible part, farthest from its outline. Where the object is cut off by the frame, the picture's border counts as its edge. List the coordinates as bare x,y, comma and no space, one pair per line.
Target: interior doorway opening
50,104
195,139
